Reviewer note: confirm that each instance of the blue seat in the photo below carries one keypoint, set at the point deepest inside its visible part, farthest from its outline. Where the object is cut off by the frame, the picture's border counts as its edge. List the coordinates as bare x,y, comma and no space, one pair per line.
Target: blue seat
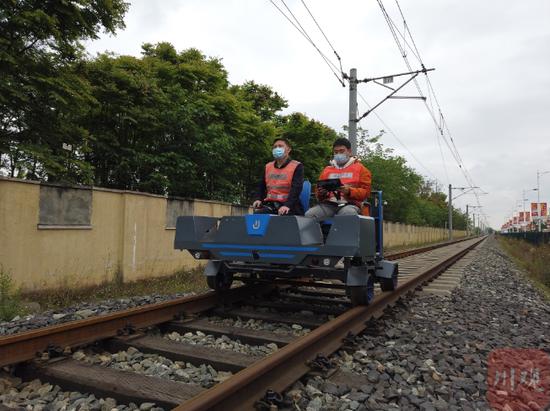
305,194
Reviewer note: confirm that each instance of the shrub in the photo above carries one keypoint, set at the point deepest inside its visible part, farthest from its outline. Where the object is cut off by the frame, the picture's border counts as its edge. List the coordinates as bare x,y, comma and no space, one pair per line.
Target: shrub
10,297
534,259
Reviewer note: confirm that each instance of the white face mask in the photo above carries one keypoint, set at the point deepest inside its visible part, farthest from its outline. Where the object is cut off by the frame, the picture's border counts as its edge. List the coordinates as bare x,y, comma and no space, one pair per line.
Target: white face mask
278,152
341,158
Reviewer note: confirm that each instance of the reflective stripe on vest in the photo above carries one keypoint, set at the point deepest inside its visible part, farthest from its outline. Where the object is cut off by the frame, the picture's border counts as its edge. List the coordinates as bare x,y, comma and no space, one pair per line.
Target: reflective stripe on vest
350,176
279,180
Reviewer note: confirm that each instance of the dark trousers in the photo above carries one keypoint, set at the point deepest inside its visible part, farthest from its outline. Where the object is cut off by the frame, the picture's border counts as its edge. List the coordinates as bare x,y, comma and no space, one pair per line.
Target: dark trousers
270,207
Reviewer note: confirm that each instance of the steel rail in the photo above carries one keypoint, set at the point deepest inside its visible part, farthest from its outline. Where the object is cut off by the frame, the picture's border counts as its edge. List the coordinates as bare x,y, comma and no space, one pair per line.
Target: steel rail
24,346
407,253
390,256
282,368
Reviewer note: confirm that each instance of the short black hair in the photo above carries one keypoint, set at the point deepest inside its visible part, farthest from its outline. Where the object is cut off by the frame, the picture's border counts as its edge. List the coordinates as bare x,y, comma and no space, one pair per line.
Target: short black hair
282,139
342,142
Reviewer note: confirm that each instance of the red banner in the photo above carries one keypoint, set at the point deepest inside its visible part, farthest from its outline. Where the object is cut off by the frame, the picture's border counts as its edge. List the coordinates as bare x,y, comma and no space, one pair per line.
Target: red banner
543,209
515,219
521,216
527,216
534,210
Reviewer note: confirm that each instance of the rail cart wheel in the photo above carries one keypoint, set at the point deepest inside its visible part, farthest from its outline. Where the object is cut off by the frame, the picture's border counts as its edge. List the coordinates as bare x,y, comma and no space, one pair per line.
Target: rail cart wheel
361,295
220,281
389,284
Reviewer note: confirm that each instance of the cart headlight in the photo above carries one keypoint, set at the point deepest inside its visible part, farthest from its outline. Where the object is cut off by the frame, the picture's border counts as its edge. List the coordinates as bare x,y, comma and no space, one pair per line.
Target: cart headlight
198,254
326,261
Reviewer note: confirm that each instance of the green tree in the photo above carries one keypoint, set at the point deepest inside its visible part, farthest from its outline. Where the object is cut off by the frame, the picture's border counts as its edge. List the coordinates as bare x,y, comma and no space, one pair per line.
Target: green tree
399,183
40,90
411,199
169,122
311,142
264,101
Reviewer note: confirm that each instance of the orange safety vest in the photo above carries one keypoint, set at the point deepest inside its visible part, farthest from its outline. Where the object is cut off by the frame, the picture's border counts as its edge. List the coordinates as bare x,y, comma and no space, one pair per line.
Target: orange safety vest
350,175
279,180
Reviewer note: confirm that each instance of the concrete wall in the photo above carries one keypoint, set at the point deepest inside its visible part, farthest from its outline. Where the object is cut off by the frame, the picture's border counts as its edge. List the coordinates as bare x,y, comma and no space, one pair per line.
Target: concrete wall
52,237
397,234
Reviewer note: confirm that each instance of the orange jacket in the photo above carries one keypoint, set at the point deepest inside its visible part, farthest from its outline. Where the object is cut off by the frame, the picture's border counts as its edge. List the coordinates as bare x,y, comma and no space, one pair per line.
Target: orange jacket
353,174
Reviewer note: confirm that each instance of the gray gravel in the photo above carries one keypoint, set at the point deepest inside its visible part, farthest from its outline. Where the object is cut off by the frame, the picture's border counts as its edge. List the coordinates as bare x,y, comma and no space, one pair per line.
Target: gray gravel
37,396
430,352
222,343
276,328
154,365
80,311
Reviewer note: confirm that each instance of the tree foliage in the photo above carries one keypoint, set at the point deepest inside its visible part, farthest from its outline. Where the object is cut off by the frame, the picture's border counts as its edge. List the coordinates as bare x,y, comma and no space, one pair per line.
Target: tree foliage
41,89
410,197
167,122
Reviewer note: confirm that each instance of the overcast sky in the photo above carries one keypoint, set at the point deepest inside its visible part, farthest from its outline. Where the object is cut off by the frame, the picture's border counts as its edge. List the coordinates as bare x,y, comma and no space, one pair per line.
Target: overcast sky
492,77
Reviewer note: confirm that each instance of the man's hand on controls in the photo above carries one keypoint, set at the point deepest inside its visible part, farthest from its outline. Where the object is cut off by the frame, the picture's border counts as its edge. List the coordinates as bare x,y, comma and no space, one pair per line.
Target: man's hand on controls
257,204
283,210
345,190
322,193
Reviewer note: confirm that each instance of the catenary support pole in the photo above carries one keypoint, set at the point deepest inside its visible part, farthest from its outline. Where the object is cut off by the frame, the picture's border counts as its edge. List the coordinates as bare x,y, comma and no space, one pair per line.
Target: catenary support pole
352,122
450,225
539,219
467,221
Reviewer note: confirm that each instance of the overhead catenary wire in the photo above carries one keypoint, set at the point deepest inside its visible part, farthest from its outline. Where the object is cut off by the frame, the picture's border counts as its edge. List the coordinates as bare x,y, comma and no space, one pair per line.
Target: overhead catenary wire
439,120
394,31
298,26
438,139
431,92
324,35
394,135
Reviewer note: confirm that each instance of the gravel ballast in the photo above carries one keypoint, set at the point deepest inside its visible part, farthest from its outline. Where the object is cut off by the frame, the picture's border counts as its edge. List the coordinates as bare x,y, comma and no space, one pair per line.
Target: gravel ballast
37,396
430,352
427,353
81,311
222,343
154,365
251,324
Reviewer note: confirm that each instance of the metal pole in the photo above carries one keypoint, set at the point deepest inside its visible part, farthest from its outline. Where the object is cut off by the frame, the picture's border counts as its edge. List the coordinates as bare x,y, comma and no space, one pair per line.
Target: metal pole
523,199
467,221
352,123
450,212
538,202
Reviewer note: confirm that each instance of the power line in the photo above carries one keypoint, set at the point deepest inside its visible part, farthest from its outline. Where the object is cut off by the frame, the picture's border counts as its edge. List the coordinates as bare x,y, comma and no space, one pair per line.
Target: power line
324,35
440,123
431,90
406,29
393,30
298,26
388,128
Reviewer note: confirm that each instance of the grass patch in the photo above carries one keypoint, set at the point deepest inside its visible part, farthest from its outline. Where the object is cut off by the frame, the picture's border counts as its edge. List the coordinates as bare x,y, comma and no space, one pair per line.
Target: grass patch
56,298
10,297
535,260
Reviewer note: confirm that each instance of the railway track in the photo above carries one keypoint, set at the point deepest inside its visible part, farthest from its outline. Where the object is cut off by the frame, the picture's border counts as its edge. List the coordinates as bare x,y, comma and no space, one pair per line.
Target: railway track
299,306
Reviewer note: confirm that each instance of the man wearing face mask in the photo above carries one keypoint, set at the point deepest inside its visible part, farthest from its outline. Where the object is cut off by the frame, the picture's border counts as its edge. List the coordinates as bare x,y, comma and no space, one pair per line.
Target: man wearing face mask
281,184
356,180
